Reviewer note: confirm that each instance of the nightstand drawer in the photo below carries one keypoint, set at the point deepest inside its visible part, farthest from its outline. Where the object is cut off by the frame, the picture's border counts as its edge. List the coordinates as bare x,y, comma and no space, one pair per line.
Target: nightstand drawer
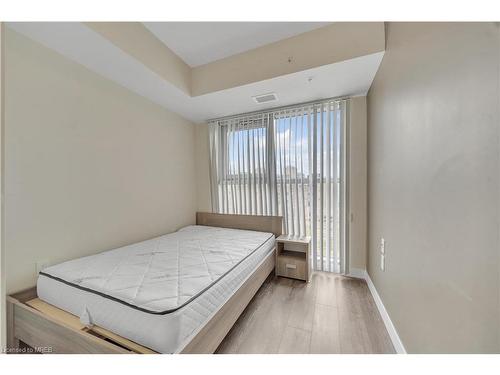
290,267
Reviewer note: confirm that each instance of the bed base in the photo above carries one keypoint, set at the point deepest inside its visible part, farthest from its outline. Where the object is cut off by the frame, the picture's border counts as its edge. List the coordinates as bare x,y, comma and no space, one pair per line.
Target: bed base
47,329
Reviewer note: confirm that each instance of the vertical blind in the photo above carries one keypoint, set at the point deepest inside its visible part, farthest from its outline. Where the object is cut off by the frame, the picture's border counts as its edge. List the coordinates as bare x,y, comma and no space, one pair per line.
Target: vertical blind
288,162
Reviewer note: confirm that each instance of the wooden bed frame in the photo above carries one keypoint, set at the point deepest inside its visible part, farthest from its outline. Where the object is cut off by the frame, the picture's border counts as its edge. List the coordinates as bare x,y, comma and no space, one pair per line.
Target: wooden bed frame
46,328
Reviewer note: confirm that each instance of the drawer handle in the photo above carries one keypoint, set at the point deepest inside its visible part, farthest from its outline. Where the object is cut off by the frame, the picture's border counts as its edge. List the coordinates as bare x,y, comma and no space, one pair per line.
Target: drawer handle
292,266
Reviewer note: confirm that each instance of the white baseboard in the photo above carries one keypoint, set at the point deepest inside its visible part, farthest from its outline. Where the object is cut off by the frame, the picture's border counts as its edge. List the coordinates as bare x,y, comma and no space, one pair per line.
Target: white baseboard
358,273
393,334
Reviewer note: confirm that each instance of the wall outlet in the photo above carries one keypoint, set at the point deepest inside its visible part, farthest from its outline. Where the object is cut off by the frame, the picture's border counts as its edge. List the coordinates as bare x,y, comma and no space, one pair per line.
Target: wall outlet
40,265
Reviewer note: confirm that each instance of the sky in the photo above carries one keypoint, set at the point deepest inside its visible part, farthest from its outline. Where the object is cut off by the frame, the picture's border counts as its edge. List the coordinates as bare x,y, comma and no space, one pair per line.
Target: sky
292,144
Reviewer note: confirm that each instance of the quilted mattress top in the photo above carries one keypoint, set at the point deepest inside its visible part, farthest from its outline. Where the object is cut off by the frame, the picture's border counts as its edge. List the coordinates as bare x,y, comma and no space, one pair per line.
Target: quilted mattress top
162,274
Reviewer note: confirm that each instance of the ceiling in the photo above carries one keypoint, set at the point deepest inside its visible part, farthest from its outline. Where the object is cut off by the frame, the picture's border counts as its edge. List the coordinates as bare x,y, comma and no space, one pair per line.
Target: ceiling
79,43
346,78
199,43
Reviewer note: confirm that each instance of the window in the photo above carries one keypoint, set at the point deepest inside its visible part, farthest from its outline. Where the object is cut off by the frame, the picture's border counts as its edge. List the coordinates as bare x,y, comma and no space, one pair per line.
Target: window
287,162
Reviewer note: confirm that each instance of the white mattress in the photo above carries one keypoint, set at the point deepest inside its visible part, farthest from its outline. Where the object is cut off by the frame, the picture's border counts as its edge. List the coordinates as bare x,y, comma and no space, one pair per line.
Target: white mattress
158,292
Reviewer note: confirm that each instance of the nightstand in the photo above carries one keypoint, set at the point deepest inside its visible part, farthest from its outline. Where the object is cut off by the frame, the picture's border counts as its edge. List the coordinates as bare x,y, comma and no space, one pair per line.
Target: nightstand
292,257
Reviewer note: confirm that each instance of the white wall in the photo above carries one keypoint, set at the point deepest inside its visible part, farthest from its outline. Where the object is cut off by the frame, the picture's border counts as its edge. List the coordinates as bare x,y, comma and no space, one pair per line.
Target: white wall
433,136
89,165
202,169
3,330
357,185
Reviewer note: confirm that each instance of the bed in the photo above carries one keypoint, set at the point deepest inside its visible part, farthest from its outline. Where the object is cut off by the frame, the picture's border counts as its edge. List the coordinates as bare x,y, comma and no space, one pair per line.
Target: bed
177,293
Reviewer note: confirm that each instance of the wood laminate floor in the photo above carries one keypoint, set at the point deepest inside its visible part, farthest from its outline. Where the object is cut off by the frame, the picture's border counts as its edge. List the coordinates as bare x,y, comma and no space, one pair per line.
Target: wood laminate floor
330,314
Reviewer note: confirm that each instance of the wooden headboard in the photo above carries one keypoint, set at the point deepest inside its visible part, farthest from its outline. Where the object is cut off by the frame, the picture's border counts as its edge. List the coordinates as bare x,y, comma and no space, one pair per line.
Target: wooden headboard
271,224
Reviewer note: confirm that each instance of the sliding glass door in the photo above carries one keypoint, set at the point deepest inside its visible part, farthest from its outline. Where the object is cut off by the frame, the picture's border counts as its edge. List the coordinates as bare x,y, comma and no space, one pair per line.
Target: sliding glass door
287,162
